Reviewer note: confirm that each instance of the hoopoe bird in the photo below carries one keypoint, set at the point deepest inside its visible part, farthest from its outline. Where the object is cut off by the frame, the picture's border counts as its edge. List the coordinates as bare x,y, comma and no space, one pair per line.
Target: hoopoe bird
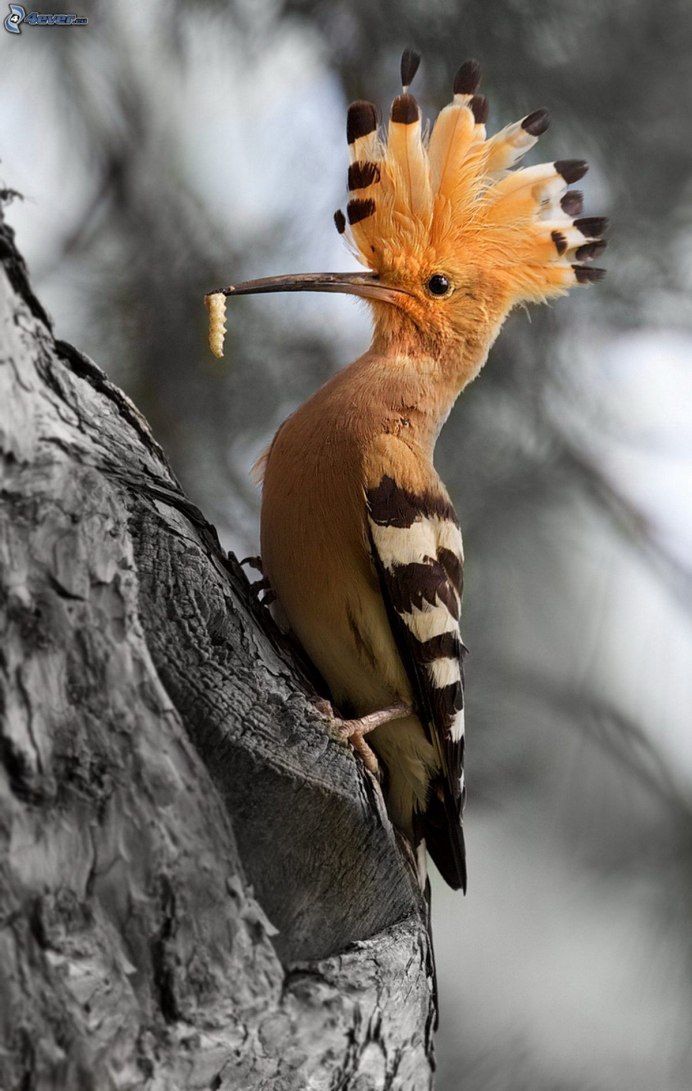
359,539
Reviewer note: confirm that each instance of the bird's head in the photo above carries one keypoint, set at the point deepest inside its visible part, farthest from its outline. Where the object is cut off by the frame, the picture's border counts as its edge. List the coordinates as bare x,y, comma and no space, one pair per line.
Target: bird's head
452,237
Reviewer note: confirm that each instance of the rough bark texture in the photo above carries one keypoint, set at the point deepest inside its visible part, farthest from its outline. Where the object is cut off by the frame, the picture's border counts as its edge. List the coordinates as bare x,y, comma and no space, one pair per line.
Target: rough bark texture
199,887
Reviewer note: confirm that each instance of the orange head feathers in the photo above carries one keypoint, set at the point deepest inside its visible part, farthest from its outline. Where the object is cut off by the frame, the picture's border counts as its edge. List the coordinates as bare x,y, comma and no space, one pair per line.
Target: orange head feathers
445,215
452,235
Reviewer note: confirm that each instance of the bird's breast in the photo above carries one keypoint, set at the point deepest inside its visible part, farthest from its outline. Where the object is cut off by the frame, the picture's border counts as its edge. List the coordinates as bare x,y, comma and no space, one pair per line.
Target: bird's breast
316,555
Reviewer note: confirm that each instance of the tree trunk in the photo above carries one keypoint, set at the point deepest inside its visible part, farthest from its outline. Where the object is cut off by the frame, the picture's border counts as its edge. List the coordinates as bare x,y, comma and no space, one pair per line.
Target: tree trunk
200,887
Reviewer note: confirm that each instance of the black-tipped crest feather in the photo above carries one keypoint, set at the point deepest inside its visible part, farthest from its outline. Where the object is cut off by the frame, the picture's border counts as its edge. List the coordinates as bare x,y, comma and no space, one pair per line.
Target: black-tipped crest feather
479,107
560,241
410,59
362,120
590,250
571,169
405,110
359,209
362,174
573,202
588,274
537,122
591,226
468,78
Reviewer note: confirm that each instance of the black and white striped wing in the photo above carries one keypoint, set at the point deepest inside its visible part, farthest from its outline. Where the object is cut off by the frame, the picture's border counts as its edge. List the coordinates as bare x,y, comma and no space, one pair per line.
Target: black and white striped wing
417,549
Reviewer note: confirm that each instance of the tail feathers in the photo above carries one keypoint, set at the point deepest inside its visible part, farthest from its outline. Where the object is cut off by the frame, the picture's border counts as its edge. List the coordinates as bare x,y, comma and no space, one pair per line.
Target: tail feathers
444,837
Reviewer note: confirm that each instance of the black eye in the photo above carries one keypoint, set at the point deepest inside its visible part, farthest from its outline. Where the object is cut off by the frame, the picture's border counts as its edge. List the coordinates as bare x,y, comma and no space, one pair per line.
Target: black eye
438,284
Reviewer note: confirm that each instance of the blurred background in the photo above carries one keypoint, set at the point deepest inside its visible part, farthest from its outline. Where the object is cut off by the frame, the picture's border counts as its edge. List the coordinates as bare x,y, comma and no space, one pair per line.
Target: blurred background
170,148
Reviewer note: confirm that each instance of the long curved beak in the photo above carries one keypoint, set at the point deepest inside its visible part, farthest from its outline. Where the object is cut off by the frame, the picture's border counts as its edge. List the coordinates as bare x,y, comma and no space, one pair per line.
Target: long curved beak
366,285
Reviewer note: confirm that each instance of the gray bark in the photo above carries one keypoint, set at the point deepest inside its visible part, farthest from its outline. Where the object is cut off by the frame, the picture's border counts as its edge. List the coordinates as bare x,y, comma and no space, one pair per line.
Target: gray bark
200,888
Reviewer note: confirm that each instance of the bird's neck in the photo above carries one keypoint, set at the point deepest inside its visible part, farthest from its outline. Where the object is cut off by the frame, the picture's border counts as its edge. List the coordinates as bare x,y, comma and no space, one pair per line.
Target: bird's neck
418,383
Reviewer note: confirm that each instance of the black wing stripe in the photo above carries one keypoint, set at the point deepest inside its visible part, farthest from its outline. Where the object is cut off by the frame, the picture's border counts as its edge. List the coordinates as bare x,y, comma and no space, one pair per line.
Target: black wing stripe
442,646
414,583
452,564
391,506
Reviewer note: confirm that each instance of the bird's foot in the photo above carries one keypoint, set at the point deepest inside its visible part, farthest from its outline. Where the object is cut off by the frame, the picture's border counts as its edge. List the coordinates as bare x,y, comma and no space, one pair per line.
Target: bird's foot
269,593
355,730
260,585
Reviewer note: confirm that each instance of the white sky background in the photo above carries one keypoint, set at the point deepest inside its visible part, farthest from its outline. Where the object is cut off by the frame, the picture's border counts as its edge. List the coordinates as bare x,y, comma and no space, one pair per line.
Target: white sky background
263,135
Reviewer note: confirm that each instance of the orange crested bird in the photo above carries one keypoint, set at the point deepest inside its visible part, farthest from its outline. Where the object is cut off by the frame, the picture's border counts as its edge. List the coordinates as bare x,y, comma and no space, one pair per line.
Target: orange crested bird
359,539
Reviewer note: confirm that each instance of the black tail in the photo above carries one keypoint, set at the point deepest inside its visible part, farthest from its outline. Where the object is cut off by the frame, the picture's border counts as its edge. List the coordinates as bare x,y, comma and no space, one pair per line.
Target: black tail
444,836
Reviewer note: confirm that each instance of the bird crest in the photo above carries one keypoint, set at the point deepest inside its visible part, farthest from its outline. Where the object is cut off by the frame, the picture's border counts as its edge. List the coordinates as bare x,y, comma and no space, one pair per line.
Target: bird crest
452,235
430,203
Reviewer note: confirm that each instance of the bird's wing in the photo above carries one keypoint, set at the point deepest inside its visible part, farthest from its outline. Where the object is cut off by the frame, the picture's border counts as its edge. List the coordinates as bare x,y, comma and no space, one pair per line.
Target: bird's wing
417,549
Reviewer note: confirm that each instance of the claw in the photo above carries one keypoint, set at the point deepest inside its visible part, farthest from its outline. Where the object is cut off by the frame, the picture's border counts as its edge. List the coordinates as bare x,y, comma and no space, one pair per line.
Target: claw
253,562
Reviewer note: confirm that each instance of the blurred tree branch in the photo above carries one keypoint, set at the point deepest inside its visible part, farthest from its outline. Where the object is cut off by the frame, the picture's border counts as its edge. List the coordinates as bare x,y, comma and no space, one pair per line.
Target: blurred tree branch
166,789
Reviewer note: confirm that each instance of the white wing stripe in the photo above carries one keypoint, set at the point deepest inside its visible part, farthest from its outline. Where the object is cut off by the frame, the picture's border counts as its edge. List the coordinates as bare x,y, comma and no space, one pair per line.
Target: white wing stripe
457,730
404,545
429,621
444,672
407,545
449,537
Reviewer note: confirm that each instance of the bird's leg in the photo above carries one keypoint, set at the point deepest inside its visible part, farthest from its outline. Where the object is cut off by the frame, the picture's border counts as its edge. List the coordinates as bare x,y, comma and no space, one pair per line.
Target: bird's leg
355,729
363,725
